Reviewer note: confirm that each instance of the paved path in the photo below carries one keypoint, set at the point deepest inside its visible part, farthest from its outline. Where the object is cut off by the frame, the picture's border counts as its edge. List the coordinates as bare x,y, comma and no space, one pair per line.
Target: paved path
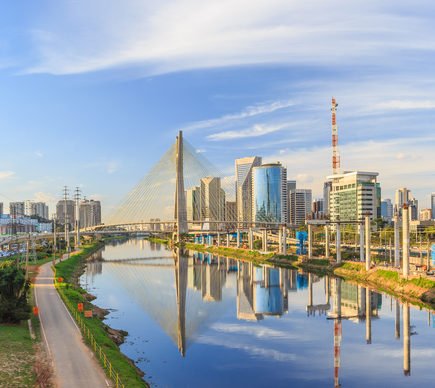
74,363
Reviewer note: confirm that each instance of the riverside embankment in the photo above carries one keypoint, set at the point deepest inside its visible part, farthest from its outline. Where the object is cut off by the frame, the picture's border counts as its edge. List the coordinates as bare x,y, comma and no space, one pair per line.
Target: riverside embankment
102,339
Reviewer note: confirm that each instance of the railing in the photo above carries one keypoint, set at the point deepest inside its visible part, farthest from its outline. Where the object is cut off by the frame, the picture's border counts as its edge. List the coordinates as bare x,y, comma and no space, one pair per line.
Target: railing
87,333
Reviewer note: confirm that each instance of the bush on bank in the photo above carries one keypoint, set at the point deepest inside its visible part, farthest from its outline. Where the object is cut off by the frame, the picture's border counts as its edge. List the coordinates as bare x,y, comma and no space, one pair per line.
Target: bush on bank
14,289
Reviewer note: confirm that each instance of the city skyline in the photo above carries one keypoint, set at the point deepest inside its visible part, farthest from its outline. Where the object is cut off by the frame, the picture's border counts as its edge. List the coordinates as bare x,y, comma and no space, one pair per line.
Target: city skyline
82,111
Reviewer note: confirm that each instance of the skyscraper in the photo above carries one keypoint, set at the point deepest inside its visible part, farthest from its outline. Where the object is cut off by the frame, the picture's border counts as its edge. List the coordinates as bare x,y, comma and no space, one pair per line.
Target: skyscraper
300,205
354,194
432,205
39,209
67,207
16,209
212,199
269,193
402,197
387,210
243,172
90,213
193,203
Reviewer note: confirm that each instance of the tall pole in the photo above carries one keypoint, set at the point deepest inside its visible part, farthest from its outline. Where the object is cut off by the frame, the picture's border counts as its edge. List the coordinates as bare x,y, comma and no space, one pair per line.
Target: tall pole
335,154
310,241
180,199
77,222
361,241
284,240
368,316
338,243
54,238
66,220
27,256
327,253
368,241
396,240
405,240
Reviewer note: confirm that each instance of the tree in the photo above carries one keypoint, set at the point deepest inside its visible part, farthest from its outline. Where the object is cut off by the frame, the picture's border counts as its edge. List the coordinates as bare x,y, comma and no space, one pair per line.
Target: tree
13,295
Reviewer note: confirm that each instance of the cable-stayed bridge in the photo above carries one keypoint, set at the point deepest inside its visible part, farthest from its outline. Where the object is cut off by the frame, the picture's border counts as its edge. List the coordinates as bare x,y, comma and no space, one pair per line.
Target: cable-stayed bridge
183,193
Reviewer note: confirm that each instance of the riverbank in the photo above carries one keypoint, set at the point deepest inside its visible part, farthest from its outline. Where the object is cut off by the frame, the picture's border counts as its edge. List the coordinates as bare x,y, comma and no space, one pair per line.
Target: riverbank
108,339
417,290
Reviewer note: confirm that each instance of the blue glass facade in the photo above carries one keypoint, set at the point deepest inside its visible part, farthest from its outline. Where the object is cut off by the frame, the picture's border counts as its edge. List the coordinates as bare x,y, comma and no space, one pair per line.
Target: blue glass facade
268,193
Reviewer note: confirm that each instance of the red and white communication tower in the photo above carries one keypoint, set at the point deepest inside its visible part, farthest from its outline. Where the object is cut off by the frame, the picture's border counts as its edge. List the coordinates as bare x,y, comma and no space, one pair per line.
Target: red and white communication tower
335,154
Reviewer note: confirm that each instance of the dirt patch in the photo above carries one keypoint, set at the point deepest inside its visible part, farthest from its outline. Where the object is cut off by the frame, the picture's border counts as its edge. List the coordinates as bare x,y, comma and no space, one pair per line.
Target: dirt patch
43,369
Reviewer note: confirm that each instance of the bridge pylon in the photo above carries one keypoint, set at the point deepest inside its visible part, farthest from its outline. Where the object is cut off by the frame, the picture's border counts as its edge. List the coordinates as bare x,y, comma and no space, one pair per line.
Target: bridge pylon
180,197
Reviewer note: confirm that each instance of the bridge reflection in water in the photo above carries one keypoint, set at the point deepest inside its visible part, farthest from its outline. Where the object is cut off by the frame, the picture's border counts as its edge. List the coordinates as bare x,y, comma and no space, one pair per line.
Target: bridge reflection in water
198,283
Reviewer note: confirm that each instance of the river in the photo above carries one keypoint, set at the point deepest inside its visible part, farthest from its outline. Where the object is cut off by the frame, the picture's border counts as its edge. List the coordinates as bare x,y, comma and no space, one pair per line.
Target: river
197,320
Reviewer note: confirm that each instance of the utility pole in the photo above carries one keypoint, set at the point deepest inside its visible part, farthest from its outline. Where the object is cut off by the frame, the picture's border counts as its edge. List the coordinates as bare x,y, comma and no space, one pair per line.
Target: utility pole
65,215
77,223
54,238
27,256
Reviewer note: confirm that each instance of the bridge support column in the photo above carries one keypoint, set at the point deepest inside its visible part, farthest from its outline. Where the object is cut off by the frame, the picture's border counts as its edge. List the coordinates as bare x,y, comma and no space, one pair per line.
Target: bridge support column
218,239
338,243
264,240
361,241
251,239
406,340
228,240
310,241
284,240
280,240
327,254
238,238
405,240
396,242
368,241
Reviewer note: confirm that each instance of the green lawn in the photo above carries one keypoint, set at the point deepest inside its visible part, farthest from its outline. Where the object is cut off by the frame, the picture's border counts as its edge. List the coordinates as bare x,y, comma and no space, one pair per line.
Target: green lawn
16,356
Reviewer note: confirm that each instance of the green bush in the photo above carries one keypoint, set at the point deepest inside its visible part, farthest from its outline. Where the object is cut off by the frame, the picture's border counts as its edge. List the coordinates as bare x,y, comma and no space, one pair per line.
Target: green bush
13,295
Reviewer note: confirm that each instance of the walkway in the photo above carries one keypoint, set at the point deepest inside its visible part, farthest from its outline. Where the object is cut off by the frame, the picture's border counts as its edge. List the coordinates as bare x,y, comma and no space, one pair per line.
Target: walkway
74,363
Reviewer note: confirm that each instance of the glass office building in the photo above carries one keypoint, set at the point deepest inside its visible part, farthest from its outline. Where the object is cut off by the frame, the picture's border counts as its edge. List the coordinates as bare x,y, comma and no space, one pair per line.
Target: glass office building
269,192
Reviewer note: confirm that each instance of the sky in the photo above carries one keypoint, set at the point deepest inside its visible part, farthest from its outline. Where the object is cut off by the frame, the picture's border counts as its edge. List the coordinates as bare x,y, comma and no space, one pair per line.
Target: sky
92,93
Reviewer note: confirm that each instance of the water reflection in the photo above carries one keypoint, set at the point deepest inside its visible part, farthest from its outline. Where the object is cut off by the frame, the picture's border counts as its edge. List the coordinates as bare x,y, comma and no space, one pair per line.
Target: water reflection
186,292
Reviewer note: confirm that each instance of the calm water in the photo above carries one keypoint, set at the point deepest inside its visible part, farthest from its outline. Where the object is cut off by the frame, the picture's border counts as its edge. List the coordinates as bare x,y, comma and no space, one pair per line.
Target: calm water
201,321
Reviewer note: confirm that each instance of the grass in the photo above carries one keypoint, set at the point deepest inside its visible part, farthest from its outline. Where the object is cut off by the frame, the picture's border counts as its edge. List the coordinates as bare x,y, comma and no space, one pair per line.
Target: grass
389,275
158,240
353,267
70,270
422,282
235,253
17,356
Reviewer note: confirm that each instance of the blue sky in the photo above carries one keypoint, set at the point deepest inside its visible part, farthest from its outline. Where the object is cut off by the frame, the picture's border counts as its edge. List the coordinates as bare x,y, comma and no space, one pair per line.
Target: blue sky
93,93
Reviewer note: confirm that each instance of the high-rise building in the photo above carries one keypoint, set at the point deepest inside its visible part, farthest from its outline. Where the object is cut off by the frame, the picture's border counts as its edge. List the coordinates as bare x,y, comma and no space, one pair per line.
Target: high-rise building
413,209
425,214
212,199
402,196
39,209
243,167
300,206
90,213
326,194
67,207
269,193
387,210
353,195
317,209
193,203
231,213
16,209
291,186
1,208
432,205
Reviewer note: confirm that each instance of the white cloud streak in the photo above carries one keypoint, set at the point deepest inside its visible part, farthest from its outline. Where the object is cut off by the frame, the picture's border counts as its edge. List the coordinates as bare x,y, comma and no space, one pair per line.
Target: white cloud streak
255,131
6,174
405,105
168,35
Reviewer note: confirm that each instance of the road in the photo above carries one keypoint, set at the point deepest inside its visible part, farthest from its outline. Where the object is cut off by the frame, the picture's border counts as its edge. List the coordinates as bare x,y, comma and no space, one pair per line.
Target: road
74,363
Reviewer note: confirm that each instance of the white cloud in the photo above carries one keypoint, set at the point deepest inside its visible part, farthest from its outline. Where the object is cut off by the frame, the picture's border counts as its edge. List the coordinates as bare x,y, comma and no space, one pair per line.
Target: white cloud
254,131
250,111
6,174
406,105
39,154
167,35
112,167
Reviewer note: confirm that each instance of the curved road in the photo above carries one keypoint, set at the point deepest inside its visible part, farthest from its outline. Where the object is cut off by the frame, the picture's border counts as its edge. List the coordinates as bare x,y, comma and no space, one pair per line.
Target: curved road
74,363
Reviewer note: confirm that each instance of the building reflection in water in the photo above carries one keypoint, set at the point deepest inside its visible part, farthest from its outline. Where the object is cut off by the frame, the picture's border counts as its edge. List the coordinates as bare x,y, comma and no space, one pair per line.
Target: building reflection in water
263,291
